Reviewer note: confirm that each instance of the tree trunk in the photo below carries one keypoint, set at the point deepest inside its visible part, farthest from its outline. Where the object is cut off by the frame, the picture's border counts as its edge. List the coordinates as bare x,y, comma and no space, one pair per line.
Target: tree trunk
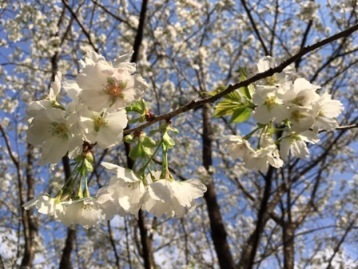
218,232
288,233
65,262
29,222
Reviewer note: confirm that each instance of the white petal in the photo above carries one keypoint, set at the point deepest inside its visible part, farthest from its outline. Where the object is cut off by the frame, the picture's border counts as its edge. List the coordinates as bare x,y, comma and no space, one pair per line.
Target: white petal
125,174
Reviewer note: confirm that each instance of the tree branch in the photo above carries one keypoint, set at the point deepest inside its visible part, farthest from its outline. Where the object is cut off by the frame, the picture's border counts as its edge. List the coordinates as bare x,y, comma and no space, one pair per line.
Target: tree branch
336,249
243,2
199,103
84,30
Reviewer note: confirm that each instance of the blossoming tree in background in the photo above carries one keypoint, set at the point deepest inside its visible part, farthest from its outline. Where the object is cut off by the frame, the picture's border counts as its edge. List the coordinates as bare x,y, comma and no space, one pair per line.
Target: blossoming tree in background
178,134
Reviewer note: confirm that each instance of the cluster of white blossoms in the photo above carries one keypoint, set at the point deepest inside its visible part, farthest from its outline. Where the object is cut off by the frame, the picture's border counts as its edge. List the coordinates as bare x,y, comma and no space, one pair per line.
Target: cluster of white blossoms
96,113
96,116
126,194
290,107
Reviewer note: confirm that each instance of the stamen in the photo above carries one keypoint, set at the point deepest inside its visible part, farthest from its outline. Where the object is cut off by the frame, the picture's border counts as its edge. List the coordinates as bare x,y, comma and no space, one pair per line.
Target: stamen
296,116
115,88
270,102
98,122
60,130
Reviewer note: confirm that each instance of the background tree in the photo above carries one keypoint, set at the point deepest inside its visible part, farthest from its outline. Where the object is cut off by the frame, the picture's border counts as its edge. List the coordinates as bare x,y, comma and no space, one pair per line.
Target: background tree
302,215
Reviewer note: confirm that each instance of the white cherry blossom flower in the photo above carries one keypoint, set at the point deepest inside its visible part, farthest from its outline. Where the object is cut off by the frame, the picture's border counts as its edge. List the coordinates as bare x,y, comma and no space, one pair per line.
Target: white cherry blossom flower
106,86
272,110
123,62
72,89
264,157
55,87
52,130
105,129
301,118
86,212
125,190
326,110
239,147
172,198
91,58
274,81
123,198
296,144
302,93
51,101
45,205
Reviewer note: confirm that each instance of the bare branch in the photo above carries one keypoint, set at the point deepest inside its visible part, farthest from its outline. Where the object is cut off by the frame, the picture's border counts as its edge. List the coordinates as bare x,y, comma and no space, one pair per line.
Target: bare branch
84,30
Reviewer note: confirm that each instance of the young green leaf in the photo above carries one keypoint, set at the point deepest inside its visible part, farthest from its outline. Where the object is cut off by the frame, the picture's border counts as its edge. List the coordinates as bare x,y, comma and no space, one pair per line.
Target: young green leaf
240,115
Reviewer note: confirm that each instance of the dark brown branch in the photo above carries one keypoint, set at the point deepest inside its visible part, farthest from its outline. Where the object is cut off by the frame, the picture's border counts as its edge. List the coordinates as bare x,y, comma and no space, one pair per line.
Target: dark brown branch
253,24
85,32
107,11
247,261
274,28
140,30
303,43
65,262
113,244
199,103
127,243
336,249
147,251
30,229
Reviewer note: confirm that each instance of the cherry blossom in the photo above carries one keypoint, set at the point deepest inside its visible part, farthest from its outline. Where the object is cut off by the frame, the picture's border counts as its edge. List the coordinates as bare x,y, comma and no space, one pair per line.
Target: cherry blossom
86,212
172,198
106,86
45,205
52,130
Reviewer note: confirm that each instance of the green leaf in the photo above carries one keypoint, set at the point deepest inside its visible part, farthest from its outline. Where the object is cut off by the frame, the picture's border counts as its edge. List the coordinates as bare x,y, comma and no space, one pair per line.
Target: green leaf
233,96
240,115
226,107
88,165
168,141
147,151
218,89
136,151
246,91
149,142
173,130
138,107
129,138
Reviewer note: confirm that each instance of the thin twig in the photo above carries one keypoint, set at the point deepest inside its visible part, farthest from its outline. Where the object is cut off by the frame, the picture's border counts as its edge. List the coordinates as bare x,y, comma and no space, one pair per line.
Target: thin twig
85,32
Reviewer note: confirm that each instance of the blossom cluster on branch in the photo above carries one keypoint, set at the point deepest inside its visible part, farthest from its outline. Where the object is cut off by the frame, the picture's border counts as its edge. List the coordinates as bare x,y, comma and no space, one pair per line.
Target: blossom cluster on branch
289,113
96,116
288,110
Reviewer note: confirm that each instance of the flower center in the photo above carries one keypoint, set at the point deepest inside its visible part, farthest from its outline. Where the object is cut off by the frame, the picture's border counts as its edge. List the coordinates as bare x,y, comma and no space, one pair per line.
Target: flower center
98,122
60,130
272,80
87,207
299,100
270,102
296,116
115,88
